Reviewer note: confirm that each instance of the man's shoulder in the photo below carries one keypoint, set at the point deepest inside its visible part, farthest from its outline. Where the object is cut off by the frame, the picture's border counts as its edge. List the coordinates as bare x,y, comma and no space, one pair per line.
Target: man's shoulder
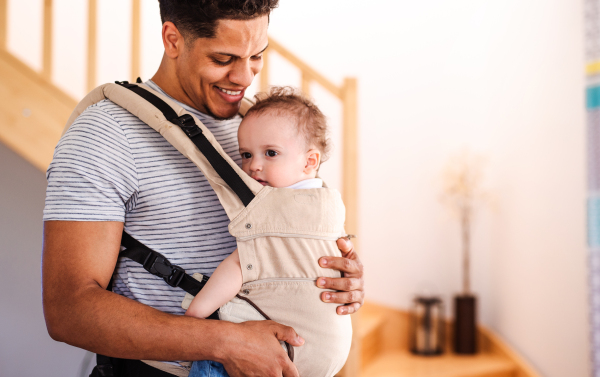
105,118
106,111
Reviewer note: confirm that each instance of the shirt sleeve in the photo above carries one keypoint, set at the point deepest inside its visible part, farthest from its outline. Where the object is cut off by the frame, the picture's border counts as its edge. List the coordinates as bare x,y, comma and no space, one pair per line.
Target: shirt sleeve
93,175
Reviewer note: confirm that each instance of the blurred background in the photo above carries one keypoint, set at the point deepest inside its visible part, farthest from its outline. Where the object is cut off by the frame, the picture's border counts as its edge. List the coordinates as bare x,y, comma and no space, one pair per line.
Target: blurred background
504,80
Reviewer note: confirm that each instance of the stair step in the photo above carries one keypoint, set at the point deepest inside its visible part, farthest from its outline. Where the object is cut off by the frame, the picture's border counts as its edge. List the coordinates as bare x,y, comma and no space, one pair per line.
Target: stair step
369,323
405,364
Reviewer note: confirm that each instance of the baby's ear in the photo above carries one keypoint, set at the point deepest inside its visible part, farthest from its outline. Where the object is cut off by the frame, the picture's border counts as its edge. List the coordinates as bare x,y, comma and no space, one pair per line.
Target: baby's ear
313,159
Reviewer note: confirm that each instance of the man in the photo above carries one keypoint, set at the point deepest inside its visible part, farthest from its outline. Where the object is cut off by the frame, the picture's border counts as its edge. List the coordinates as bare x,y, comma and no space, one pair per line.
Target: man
111,172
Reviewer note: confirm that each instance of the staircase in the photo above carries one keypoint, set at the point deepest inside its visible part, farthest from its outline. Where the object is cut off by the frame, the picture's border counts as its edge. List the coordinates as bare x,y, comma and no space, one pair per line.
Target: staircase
33,112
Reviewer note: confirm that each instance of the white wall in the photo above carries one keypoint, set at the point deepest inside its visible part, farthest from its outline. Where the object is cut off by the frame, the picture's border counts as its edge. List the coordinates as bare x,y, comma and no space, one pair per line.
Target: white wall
504,78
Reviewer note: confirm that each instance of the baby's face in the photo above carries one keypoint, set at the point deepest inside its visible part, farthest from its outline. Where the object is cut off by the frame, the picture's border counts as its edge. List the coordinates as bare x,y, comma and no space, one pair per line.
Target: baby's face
273,153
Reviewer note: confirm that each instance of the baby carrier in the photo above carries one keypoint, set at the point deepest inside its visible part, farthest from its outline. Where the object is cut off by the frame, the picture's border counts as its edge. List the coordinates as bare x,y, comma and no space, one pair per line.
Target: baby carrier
281,233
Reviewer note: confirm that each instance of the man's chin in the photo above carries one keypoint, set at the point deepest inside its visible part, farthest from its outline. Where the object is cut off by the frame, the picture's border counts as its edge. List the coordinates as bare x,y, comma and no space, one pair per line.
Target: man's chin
225,112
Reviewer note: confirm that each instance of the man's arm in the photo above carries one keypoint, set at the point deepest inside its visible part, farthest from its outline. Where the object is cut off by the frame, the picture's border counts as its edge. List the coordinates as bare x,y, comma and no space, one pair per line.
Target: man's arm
351,285
78,261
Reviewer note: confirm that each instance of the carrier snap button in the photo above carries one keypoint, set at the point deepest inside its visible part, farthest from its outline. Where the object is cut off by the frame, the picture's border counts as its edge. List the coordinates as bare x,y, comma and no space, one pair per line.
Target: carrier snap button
248,226
246,291
249,266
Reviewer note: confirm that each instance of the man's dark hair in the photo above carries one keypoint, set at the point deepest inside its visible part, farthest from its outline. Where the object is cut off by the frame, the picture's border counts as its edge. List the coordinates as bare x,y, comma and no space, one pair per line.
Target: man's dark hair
198,18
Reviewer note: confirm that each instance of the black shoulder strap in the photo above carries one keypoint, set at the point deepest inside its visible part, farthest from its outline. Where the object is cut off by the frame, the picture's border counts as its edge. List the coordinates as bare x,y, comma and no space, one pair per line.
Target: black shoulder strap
158,265
191,129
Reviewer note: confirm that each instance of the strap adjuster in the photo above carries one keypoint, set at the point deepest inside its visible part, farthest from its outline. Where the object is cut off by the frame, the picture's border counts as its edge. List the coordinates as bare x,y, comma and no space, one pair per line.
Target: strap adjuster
160,266
187,124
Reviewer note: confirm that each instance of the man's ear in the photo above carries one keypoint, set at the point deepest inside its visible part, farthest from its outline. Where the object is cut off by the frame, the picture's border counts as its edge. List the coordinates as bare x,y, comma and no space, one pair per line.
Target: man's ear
313,160
172,40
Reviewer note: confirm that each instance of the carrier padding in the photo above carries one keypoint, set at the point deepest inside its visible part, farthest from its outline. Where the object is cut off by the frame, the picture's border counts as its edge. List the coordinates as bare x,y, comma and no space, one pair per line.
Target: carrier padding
283,232
152,116
281,235
327,335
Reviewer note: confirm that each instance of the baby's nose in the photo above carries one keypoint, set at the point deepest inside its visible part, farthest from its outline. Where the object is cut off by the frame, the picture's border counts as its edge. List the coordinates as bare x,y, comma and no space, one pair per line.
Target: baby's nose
255,165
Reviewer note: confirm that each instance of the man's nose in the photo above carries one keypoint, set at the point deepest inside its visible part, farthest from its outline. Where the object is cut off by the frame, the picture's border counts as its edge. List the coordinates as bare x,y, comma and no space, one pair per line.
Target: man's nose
242,73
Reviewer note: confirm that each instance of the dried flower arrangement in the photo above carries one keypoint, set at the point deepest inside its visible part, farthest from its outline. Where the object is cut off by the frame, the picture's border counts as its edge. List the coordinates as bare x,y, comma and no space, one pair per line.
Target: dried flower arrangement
462,191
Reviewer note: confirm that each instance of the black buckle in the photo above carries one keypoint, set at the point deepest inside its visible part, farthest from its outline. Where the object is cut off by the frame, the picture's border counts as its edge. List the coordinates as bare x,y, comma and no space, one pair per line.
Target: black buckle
125,84
187,124
176,276
160,266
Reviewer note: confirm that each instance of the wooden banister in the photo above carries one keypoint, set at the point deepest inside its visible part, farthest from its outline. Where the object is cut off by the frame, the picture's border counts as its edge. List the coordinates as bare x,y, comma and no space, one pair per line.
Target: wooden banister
305,86
92,44
3,23
350,154
135,39
264,73
47,41
305,68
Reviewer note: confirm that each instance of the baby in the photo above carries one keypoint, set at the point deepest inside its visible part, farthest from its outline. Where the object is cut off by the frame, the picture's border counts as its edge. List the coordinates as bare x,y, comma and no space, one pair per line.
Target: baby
282,141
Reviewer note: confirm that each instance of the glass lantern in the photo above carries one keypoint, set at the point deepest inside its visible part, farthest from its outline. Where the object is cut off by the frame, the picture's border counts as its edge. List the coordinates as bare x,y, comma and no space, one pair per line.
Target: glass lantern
427,326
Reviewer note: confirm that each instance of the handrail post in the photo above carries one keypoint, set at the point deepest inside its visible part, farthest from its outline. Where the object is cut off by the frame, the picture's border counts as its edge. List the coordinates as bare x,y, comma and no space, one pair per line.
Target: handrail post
3,23
135,39
91,51
305,84
350,153
348,94
264,73
47,38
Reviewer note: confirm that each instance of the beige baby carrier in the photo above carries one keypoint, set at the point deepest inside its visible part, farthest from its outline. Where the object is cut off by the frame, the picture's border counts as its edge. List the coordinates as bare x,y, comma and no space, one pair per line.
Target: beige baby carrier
281,233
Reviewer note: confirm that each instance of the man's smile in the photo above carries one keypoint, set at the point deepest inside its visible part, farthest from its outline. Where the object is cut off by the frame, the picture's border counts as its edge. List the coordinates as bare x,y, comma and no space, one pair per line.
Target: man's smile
229,95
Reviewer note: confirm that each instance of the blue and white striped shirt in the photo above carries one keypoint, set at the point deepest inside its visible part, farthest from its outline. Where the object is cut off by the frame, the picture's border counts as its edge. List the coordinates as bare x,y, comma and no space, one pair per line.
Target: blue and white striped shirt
110,166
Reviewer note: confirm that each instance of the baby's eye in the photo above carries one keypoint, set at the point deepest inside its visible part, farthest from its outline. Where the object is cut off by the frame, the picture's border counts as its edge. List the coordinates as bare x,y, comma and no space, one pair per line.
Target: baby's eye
246,155
271,153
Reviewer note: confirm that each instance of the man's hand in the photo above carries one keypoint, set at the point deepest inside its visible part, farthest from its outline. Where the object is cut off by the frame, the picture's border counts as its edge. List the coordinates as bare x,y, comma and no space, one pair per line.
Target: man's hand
351,284
253,350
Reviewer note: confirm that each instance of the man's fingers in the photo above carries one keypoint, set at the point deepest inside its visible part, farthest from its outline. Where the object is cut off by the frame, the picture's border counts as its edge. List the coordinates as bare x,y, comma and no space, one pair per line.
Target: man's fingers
287,334
289,369
348,309
345,245
345,265
344,297
341,284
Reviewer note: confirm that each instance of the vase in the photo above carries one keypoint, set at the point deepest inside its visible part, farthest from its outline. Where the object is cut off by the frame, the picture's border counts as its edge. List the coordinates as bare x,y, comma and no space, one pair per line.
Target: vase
465,324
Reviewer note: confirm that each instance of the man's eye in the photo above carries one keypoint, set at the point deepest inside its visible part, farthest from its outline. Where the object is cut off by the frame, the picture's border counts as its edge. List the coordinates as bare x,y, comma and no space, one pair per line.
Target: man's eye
246,155
221,62
271,153
256,57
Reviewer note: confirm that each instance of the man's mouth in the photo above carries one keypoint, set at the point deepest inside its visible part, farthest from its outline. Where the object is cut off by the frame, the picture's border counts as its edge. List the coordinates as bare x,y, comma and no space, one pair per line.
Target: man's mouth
230,95
230,92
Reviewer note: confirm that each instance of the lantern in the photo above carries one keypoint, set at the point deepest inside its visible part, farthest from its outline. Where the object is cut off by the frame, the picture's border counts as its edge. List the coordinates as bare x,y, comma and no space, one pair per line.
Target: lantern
427,326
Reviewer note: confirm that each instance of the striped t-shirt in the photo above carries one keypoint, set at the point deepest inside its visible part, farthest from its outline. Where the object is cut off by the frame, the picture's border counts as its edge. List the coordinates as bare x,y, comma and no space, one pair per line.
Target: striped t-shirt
110,166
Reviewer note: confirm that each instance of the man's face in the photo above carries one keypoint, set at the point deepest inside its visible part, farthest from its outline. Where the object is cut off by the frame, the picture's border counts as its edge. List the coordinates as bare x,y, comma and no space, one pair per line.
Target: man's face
215,72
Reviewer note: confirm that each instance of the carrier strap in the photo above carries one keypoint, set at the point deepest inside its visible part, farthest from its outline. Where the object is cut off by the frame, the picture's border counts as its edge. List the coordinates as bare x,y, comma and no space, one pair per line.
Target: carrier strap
158,265
191,129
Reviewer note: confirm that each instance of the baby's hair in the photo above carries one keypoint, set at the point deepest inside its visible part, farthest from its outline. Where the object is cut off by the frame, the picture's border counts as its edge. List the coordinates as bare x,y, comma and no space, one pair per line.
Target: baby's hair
311,123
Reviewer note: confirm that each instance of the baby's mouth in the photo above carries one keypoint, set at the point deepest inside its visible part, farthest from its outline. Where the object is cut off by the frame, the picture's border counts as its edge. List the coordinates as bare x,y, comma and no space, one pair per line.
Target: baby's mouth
264,183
